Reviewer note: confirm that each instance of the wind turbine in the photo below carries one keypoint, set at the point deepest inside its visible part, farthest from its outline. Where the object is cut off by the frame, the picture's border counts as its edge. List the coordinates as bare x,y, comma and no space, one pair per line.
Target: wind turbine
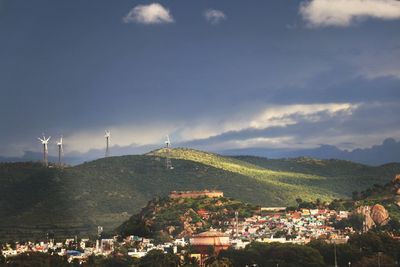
107,136
60,150
168,163
45,142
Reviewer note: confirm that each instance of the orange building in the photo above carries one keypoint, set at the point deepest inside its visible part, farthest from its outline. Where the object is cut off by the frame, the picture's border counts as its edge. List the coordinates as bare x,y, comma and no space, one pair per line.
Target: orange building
211,239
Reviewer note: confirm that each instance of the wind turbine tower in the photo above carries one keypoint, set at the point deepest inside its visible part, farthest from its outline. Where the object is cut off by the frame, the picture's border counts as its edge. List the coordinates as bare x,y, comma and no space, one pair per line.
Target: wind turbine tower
168,163
45,142
107,136
60,151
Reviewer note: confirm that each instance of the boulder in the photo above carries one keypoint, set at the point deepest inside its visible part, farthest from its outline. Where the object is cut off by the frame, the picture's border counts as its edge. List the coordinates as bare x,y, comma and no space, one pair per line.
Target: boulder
396,179
379,214
170,229
366,212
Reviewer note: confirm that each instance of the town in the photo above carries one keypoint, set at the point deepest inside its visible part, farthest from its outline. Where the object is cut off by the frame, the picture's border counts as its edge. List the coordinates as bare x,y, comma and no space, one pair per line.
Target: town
267,225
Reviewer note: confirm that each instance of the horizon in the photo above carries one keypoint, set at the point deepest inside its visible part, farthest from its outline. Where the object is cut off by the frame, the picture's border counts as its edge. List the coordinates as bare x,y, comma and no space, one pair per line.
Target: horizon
388,152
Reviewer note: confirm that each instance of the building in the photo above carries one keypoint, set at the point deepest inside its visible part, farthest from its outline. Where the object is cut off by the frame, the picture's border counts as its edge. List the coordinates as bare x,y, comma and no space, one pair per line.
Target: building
209,242
196,194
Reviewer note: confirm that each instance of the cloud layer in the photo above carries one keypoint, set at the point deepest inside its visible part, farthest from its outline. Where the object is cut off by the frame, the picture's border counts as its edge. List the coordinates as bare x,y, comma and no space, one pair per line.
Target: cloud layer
149,14
214,16
345,12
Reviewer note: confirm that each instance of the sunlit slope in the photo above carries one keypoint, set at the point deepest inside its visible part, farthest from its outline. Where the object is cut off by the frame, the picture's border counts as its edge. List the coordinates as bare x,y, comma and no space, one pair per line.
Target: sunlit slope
302,177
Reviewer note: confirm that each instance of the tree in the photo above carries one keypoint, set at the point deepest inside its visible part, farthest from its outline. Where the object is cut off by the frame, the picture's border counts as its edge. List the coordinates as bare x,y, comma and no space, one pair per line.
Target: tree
369,243
37,260
157,258
345,252
336,205
218,262
289,255
189,261
354,220
355,195
372,261
241,257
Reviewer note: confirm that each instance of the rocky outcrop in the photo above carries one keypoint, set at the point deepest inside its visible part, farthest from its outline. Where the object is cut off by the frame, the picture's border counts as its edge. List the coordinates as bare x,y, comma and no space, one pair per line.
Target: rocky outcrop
376,215
396,179
366,212
379,214
397,192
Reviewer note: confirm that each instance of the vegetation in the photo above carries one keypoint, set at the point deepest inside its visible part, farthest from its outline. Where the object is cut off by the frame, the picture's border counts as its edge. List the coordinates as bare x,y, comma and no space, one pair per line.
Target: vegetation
165,218
361,250
35,260
377,194
35,200
275,254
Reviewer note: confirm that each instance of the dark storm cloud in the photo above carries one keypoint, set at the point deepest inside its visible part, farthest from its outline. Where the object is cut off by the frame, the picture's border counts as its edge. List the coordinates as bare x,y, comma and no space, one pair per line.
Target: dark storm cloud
73,67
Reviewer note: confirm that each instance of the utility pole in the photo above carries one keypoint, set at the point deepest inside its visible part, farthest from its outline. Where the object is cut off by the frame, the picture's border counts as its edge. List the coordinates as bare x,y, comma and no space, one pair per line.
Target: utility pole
237,223
379,259
334,246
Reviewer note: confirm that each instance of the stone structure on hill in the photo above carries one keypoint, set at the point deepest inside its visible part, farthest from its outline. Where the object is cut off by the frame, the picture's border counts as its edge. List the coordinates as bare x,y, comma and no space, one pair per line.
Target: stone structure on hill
196,194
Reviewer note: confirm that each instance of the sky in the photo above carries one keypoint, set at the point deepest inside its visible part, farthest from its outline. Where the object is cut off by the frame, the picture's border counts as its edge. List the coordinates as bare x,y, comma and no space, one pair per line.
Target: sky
213,75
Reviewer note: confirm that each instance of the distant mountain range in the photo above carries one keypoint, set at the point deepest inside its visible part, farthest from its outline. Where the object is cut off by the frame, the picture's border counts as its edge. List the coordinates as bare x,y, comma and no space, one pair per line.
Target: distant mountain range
107,191
388,151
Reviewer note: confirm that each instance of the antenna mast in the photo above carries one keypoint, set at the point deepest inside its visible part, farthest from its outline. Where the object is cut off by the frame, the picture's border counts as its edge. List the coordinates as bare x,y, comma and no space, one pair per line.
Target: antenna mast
168,163
107,136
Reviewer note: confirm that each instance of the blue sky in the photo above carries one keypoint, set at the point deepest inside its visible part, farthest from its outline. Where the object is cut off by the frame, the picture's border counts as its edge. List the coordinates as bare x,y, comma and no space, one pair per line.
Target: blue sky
213,75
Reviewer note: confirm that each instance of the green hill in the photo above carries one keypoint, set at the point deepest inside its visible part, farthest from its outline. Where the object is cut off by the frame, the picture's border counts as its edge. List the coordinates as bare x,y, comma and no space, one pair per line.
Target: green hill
163,218
74,200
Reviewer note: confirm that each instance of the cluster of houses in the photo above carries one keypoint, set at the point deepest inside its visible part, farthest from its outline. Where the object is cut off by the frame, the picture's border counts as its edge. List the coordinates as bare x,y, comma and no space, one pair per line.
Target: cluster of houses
299,227
273,225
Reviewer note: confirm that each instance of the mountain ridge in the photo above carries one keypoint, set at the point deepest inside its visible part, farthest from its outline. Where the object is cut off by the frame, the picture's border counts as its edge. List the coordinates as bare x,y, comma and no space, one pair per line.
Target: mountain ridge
386,152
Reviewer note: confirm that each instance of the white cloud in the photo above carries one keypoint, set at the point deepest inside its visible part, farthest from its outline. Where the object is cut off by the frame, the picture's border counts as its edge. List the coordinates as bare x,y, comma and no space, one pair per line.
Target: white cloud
214,16
271,116
149,14
285,114
180,131
345,12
